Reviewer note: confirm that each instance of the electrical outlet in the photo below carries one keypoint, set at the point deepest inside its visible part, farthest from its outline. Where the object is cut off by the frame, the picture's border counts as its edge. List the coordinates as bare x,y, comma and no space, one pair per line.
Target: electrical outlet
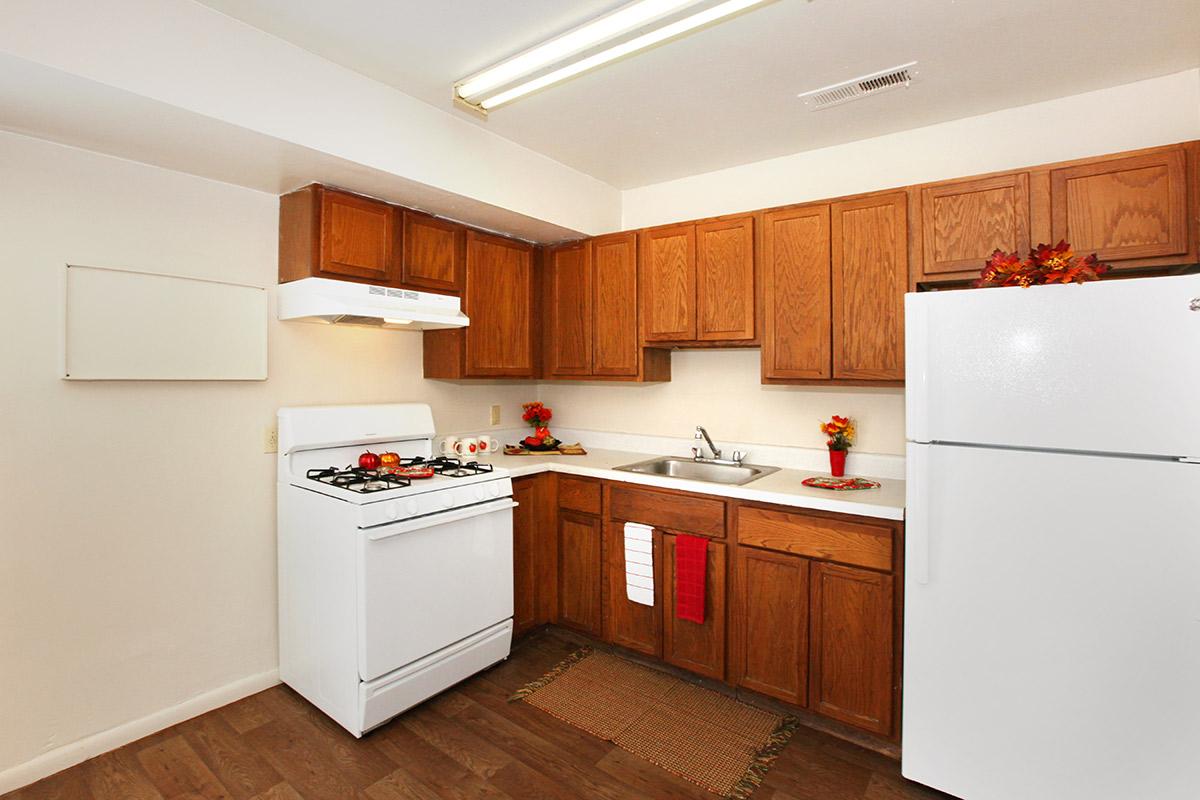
495,415
270,439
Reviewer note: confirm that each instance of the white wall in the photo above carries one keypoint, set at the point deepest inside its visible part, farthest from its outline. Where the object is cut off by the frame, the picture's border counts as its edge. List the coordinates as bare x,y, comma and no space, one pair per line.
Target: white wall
137,520
720,390
1143,114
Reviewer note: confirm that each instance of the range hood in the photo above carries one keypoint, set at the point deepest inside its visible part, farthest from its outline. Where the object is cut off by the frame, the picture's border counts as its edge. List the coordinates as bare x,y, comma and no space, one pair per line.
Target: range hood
344,303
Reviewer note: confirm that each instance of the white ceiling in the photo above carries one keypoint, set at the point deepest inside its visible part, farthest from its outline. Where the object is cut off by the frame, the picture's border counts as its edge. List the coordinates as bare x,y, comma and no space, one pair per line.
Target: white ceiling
725,95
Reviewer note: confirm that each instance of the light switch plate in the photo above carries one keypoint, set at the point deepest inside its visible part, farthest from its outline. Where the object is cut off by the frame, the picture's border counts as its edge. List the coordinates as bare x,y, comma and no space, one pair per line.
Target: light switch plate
495,414
270,439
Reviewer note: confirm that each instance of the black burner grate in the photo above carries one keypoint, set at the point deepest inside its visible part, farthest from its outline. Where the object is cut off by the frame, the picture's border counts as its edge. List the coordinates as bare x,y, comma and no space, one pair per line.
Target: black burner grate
356,479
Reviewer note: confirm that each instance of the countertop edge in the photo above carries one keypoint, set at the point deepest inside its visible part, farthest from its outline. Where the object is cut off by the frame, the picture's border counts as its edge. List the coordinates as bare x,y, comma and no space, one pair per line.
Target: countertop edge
857,509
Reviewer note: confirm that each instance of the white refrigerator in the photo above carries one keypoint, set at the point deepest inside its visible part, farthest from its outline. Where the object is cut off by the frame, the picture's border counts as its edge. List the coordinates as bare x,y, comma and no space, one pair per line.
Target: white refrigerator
1052,587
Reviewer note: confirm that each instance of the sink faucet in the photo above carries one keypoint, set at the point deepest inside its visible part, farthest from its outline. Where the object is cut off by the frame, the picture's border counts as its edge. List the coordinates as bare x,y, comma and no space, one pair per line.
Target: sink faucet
698,451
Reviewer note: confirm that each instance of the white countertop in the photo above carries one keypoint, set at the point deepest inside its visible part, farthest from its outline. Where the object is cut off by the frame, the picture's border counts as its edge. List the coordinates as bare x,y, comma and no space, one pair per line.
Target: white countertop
781,488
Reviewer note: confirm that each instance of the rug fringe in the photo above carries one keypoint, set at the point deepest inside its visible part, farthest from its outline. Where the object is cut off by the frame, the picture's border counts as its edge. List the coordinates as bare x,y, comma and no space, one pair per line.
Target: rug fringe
764,758
550,676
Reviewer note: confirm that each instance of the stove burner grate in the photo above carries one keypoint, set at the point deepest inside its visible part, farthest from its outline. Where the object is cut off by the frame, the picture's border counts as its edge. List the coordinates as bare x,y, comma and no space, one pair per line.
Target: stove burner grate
356,479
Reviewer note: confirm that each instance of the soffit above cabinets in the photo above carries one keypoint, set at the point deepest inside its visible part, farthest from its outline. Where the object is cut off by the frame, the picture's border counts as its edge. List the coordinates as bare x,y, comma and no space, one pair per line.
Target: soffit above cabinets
726,95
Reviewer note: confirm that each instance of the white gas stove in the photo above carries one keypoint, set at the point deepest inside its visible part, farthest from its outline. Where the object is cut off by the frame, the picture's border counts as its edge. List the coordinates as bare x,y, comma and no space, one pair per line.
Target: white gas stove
392,587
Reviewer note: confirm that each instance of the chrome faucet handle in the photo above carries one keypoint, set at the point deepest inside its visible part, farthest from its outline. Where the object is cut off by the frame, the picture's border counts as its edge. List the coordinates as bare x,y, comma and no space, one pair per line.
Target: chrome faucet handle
695,453
739,456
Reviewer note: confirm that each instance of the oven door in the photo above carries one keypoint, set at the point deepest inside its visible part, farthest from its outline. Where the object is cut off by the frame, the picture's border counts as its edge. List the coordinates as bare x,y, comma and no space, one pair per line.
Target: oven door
426,583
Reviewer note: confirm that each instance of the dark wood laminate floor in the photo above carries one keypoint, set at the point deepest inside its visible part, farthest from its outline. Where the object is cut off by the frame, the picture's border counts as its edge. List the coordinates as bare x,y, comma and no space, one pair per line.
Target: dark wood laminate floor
469,742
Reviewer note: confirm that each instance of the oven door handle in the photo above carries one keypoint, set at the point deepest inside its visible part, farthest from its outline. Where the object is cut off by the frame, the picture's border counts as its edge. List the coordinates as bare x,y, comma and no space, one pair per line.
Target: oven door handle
440,518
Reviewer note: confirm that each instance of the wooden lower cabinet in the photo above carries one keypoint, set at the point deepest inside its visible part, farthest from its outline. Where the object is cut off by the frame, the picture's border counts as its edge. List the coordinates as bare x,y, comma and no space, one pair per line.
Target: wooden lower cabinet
852,666
579,588
770,618
627,623
697,647
525,543
535,553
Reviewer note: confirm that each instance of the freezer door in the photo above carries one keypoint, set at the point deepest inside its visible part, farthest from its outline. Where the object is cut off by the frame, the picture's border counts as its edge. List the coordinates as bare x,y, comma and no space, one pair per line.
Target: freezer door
1052,625
1112,366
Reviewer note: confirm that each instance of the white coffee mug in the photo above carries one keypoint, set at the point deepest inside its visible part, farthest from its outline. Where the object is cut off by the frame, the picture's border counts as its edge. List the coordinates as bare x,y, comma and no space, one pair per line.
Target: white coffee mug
466,447
488,444
447,446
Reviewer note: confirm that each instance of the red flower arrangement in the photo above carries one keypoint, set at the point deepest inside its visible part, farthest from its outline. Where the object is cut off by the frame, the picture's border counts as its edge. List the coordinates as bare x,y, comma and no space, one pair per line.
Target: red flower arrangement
1045,264
536,414
840,431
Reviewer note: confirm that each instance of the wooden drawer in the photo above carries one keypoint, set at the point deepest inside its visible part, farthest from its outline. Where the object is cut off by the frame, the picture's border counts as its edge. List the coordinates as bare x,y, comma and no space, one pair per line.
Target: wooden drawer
672,512
858,543
579,494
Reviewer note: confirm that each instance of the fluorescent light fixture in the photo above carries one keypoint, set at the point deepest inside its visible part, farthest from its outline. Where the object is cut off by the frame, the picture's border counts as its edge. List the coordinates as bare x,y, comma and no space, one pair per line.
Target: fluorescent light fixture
478,91
623,20
391,321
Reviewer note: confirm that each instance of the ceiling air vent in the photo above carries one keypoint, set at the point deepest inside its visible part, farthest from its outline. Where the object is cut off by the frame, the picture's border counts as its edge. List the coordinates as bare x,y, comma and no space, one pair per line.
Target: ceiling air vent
844,92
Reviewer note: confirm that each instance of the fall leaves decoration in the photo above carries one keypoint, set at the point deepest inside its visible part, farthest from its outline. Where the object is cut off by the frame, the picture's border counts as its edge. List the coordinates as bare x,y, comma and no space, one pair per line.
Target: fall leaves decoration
1045,264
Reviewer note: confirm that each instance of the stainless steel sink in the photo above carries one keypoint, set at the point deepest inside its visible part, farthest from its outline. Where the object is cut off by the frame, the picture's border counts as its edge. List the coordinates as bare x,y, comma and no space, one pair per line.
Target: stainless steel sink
687,469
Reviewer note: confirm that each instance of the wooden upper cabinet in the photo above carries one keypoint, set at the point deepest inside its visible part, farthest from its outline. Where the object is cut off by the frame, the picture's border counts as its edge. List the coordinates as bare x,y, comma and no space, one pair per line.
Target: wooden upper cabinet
499,300
570,309
433,253
358,237
615,347
1130,208
797,312
853,676
771,622
326,233
964,222
725,279
698,647
869,238
668,284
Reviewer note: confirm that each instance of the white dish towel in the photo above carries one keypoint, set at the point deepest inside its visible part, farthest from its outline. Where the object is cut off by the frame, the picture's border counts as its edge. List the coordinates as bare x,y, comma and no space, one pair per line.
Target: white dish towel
639,563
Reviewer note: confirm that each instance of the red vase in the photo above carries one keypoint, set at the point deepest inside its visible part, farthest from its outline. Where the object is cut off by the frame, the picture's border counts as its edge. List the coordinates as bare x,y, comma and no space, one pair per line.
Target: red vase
837,463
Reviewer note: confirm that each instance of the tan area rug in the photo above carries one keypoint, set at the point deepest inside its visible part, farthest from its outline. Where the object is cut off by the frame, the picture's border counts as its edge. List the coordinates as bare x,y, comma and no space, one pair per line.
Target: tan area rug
712,740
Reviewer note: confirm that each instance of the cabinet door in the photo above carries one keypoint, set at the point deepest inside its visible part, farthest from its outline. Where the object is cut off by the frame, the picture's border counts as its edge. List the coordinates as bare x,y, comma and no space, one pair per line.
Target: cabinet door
524,556
725,280
667,284
615,326
499,300
771,617
579,596
853,657
870,276
796,294
964,222
1123,208
433,253
569,279
357,238
695,647
627,623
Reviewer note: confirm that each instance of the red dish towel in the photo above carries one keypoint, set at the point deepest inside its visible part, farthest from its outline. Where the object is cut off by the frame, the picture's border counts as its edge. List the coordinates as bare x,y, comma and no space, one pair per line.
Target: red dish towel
691,556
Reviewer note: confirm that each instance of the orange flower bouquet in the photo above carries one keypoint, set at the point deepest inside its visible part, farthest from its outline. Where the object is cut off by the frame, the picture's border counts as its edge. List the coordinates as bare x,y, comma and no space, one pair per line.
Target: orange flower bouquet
840,431
1045,264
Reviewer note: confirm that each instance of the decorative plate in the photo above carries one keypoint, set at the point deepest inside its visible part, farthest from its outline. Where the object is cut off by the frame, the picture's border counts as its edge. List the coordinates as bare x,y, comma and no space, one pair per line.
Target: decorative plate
840,484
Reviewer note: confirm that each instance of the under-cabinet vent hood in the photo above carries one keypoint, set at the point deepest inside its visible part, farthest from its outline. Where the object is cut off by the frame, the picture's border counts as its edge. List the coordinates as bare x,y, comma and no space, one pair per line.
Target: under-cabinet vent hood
345,303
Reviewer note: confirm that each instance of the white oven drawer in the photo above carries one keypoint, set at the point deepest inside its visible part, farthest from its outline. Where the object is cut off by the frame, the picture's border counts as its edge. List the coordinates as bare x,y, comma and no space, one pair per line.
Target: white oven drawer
427,583
384,698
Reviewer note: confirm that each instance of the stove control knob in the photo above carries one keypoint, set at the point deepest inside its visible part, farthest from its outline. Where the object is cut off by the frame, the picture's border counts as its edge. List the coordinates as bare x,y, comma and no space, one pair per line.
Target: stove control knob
393,511
410,508
495,490
448,500
479,493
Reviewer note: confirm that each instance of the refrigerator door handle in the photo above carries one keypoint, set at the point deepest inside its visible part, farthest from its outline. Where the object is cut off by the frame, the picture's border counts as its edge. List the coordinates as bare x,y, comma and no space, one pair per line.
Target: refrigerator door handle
917,517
